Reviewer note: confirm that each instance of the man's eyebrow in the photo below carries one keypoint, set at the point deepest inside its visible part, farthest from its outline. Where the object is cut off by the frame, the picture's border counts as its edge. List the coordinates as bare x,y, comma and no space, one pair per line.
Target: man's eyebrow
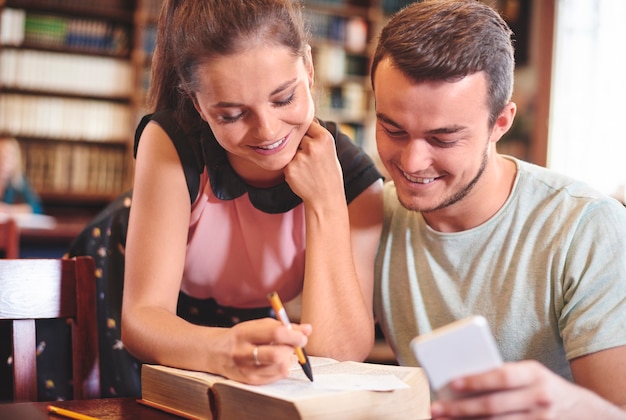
279,89
443,130
448,130
384,118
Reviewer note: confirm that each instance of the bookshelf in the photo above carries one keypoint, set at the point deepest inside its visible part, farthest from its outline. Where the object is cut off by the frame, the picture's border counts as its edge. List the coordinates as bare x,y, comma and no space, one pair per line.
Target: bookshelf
66,84
343,36
340,37
146,17
74,77
343,41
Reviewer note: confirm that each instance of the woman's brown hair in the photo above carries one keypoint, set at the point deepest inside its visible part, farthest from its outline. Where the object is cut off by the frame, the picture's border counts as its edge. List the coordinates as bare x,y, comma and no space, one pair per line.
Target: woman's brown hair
192,32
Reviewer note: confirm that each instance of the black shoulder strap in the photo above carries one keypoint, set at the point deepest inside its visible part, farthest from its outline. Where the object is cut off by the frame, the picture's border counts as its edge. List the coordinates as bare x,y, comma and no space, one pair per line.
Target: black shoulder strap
188,152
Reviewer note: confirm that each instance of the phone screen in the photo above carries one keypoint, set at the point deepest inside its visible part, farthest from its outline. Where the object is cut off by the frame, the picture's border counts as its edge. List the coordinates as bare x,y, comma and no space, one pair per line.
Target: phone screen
458,349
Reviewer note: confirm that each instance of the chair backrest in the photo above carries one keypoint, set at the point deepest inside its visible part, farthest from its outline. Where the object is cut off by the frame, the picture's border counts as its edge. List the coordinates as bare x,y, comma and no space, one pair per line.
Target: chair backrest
9,238
33,289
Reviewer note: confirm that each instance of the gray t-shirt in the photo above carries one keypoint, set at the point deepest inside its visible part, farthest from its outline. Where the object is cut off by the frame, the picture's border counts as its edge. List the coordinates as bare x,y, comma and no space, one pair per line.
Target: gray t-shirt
548,271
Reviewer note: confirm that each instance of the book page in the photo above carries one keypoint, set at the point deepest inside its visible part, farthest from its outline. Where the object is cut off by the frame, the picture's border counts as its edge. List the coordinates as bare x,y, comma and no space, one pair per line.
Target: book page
354,382
330,378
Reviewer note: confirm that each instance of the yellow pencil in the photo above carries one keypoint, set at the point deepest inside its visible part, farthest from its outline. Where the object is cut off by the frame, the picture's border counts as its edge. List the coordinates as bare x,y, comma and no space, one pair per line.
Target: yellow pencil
281,314
68,413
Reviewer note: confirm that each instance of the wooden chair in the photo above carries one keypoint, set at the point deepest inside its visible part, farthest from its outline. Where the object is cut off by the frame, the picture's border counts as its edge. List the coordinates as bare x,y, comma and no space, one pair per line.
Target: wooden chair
9,238
33,289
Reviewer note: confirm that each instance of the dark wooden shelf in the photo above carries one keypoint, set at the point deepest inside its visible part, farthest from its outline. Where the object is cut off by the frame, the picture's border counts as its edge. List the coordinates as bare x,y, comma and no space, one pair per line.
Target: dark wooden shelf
67,198
72,50
113,143
83,9
63,233
343,10
73,210
64,94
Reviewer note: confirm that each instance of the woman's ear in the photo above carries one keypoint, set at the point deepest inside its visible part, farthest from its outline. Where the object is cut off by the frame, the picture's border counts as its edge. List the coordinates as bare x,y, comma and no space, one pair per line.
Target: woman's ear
308,63
194,101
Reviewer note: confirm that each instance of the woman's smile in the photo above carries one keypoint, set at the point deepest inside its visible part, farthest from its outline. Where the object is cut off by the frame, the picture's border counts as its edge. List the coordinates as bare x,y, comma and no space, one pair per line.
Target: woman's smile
273,147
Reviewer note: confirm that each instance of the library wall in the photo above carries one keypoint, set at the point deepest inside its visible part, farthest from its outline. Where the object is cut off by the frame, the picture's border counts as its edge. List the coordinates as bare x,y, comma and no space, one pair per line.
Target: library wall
66,84
343,35
74,77
343,41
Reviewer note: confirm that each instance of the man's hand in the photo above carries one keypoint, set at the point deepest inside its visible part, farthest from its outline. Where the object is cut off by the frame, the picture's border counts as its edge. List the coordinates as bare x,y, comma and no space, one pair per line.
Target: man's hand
521,390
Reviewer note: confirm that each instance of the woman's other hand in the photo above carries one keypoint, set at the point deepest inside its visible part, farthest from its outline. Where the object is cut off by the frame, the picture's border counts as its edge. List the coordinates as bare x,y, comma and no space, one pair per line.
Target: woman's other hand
315,171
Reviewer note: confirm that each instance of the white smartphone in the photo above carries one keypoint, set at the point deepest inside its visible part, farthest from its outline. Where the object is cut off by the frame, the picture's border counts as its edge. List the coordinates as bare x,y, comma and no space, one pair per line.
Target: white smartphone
461,348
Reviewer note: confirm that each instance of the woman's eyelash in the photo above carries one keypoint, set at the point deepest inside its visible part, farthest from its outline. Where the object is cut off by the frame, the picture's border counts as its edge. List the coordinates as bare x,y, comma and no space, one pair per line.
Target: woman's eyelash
227,119
286,101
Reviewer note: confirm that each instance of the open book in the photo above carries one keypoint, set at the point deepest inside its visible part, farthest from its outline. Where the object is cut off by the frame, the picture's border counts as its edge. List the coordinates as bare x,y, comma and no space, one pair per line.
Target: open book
341,390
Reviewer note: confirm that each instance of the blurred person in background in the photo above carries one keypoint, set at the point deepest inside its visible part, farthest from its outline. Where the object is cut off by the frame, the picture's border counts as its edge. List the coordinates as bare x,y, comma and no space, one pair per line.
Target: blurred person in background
17,194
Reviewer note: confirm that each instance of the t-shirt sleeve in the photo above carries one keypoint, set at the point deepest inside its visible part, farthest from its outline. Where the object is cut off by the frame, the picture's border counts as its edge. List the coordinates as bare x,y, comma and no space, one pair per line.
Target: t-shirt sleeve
594,284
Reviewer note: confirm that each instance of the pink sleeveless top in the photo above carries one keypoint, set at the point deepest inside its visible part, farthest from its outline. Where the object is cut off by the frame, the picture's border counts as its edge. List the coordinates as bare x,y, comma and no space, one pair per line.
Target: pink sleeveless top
236,254
244,241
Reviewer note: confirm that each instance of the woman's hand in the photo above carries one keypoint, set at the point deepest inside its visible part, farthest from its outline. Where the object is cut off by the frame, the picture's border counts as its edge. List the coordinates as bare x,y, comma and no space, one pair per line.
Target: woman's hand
262,351
315,170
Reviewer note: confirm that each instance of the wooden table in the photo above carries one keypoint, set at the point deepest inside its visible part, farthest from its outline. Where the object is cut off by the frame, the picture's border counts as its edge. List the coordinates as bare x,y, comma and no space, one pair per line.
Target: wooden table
50,241
106,408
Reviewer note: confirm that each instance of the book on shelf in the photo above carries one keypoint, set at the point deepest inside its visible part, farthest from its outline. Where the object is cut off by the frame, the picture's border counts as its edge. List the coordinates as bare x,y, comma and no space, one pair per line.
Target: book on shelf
64,167
96,120
32,70
340,390
50,30
349,32
392,6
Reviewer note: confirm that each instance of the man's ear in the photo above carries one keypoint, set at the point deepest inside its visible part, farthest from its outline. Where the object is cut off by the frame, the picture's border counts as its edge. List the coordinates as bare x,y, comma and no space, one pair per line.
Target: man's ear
504,121
308,63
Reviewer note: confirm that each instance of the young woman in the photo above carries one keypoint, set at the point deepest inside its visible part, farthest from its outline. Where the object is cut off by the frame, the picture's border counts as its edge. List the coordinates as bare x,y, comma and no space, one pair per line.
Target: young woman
240,191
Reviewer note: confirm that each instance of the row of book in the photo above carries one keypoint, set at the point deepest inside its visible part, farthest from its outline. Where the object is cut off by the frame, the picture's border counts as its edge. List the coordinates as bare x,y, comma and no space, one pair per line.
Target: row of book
22,27
74,168
355,131
345,102
105,77
333,64
349,32
149,39
392,6
388,6
152,8
341,3
94,6
327,2
64,118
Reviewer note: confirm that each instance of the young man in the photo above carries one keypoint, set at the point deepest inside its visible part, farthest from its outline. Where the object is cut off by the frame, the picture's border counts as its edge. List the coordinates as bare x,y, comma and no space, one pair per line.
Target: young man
469,231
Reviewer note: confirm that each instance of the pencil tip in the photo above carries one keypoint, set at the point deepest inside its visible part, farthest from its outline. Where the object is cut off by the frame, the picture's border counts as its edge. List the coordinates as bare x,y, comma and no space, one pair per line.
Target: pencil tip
308,371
